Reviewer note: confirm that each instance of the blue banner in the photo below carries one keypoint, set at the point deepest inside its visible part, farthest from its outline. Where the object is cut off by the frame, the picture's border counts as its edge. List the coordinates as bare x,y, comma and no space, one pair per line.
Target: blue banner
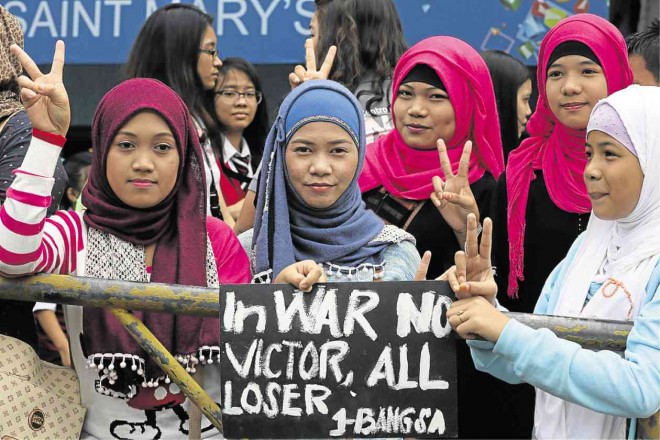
273,31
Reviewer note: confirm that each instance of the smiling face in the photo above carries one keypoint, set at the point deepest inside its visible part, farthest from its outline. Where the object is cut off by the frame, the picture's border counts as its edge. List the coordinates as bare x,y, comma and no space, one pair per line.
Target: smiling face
613,177
423,114
522,107
207,64
236,114
143,161
321,160
574,86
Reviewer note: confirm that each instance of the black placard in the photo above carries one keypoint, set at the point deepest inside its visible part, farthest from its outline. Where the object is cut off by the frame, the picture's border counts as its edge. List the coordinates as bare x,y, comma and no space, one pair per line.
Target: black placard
346,360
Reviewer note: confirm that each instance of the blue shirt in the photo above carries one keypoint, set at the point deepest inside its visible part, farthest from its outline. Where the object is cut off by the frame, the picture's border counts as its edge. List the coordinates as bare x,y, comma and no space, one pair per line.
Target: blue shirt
603,381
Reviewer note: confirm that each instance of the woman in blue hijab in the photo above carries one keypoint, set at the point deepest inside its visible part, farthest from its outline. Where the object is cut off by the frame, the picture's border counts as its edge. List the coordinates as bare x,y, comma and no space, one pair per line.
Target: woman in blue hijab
309,209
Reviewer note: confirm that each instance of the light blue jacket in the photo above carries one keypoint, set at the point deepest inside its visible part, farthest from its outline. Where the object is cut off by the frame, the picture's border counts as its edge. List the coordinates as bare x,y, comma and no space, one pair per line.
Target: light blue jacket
627,386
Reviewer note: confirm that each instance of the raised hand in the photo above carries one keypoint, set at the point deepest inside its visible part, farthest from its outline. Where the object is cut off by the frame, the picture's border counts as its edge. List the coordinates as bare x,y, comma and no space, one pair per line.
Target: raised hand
303,275
301,74
453,196
472,275
44,96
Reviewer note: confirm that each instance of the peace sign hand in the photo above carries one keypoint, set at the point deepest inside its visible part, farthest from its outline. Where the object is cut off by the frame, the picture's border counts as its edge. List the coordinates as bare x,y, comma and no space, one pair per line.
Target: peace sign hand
301,74
44,96
472,274
453,197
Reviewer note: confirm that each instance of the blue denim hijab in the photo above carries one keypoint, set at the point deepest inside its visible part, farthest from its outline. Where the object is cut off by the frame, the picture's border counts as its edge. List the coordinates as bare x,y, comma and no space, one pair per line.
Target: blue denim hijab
286,229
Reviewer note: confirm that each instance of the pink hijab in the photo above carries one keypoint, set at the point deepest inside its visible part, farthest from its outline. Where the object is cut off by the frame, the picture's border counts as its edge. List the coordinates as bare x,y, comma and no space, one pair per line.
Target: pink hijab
553,147
406,172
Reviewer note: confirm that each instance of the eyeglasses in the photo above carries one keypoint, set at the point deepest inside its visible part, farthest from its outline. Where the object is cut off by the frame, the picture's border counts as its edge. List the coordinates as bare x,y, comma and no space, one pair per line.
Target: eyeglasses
231,96
212,52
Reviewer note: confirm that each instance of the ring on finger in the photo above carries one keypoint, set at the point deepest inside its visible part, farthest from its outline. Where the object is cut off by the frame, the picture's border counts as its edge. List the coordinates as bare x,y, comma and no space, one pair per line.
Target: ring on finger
459,313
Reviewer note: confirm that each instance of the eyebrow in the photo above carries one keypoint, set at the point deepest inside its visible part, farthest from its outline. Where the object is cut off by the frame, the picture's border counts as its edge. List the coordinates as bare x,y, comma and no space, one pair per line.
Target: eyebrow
426,89
581,63
310,142
604,144
131,134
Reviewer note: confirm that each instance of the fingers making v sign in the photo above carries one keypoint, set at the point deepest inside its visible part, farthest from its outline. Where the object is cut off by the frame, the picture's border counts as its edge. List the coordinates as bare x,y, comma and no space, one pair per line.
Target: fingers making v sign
453,196
301,74
43,95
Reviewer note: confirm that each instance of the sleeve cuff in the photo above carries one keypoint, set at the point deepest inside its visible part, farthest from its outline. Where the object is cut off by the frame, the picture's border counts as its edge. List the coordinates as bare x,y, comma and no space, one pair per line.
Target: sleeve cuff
51,138
43,154
44,306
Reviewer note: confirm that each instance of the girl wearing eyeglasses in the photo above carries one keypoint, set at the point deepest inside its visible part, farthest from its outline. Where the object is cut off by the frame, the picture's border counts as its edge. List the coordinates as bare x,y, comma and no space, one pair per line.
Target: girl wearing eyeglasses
241,113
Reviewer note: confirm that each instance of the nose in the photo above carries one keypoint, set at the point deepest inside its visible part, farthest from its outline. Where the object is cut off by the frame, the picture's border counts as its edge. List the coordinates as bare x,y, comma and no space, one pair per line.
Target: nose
320,166
217,62
418,108
572,85
528,110
143,161
592,172
241,100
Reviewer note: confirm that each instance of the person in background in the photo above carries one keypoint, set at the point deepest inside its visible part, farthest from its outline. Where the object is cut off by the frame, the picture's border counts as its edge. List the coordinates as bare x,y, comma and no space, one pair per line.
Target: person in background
77,168
643,54
240,109
16,318
512,83
369,40
178,46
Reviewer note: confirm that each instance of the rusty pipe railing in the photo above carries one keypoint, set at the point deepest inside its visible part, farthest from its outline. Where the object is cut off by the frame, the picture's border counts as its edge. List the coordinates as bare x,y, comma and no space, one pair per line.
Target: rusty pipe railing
120,296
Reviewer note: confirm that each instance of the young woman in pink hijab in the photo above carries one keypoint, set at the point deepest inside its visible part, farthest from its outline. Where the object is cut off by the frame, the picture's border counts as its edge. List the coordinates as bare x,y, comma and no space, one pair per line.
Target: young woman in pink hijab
541,204
443,99
438,164
542,201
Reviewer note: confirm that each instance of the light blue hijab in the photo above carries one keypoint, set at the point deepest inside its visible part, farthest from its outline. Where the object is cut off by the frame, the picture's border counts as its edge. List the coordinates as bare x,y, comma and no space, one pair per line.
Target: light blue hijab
286,229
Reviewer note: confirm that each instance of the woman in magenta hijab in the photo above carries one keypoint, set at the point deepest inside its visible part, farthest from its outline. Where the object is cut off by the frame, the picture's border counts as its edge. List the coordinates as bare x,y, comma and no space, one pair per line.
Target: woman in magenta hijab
422,179
541,204
443,98
542,198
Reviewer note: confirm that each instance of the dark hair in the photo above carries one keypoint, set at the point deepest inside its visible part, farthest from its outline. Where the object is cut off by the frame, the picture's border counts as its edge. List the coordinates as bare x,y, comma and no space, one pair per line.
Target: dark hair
645,43
255,133
508,75
369,40
167,49
74,165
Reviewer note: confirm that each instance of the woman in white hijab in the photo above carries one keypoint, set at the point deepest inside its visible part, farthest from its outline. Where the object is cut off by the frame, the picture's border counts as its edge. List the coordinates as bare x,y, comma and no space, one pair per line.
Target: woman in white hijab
611,272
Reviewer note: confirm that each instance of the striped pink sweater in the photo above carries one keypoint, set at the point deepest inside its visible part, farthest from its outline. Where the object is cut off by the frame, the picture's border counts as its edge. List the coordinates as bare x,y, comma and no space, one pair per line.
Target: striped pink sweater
31,243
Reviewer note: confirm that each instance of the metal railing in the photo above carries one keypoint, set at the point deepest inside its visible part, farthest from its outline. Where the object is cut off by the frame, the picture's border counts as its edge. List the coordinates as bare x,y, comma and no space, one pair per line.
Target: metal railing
121,296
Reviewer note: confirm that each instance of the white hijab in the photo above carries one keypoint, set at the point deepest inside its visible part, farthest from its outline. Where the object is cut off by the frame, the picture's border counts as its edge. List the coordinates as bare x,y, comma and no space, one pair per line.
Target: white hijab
624,250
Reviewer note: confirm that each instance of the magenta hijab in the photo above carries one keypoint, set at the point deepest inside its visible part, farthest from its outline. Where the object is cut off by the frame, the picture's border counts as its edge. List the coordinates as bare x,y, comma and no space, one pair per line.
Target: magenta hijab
553,147
407,172
177,225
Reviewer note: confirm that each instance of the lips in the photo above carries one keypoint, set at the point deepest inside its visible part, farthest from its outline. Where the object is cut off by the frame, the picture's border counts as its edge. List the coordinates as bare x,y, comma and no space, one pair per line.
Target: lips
597,195
142,183
573,106
319,187
417,128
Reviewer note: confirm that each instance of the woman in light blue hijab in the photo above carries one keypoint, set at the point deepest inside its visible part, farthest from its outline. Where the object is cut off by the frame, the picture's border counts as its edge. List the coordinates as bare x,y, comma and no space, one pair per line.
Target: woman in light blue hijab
309,206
